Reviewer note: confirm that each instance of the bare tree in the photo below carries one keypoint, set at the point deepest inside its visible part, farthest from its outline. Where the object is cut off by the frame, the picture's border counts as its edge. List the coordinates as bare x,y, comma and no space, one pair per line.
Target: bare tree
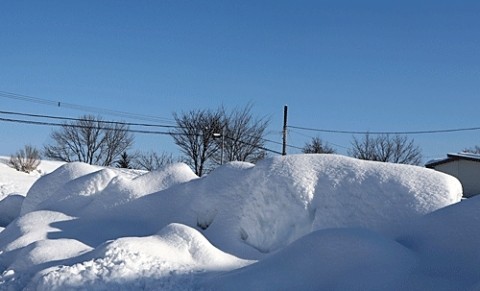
152,161
204,135
316,146
384,148
89,140
242,136
26,159
195,137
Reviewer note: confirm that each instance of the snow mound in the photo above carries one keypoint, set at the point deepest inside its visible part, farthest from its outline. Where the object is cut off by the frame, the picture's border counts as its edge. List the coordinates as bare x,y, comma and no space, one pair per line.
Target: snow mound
334,259
357,223
281,199
439,251
26,247
77,187
123,189
51,184
248,209
448,241
47,252
29,228
142,262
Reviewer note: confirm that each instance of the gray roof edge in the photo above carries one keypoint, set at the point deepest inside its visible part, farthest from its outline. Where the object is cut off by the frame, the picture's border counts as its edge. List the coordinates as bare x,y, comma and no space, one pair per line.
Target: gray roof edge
454,157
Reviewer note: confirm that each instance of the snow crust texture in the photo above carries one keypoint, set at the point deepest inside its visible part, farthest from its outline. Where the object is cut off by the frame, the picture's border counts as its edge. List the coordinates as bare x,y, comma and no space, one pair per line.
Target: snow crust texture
307,222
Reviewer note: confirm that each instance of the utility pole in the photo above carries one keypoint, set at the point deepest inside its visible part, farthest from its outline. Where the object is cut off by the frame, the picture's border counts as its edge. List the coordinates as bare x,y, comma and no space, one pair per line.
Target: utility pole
284,148
222,135
223,146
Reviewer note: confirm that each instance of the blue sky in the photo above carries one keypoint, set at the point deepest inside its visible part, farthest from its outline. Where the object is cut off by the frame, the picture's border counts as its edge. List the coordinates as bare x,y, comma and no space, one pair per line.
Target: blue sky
341,65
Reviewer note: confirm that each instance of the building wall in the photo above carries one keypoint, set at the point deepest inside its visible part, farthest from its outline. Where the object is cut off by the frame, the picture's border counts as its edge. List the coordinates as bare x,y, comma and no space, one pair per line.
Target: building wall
468,172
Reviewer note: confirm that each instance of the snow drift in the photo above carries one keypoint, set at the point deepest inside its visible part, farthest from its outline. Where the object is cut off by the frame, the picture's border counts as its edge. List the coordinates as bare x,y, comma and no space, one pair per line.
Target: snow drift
266,206
267,212
141,262
438,251
281,199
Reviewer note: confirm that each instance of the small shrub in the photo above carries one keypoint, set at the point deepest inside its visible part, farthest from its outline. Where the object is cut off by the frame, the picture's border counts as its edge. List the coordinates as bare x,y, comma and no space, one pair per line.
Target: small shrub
26,159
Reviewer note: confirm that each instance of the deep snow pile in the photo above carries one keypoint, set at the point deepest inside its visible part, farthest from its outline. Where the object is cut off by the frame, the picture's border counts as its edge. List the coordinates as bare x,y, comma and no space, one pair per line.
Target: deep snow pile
436,252
129,263
295,215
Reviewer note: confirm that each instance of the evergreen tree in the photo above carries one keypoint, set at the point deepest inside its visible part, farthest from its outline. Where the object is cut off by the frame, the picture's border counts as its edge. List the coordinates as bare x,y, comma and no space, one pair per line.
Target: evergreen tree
124,161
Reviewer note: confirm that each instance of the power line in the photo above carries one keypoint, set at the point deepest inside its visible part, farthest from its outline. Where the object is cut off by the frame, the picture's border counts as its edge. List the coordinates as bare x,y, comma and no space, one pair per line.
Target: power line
85,126
83,119
37,100
87,108
104,122
328,142
15,96
387,132
32,122
279,143
256,146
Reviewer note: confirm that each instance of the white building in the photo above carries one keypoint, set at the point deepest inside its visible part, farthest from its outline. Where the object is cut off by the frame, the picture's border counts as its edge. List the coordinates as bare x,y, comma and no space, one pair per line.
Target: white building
465,167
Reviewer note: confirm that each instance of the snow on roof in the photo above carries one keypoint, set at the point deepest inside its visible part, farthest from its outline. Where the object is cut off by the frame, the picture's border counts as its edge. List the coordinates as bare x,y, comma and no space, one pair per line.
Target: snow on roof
453,157
466,155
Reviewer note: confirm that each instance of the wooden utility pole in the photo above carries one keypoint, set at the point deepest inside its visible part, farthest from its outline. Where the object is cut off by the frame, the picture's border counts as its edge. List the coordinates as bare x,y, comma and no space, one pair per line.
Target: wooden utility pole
284,148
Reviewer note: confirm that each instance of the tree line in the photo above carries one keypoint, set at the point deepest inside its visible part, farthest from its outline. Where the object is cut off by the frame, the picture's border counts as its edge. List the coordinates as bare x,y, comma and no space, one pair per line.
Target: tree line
206,138
382,148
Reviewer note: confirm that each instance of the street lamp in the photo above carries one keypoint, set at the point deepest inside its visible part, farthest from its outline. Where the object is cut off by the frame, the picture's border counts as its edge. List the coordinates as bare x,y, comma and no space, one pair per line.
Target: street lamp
217,135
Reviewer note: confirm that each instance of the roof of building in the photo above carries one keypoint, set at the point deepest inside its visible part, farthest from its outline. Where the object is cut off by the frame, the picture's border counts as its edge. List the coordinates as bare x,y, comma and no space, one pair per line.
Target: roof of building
454,157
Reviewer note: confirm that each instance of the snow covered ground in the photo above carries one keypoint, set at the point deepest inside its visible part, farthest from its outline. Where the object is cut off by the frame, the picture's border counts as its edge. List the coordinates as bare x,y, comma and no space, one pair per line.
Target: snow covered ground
14,186
300,222
15,182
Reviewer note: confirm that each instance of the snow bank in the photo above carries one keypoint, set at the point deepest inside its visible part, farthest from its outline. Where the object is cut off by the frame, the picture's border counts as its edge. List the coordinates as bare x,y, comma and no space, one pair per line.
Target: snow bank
247,209
79,187
123,189
436,252
297,215
129,263
447,243
29,228
334,259
26,247
281,199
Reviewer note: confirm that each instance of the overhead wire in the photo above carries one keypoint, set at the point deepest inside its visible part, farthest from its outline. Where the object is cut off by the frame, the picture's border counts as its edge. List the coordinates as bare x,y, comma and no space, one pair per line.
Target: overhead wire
386,132
279,143
43,101
44,123
102,121
33,122
257,146
309,136
10,95
56,103
83,119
